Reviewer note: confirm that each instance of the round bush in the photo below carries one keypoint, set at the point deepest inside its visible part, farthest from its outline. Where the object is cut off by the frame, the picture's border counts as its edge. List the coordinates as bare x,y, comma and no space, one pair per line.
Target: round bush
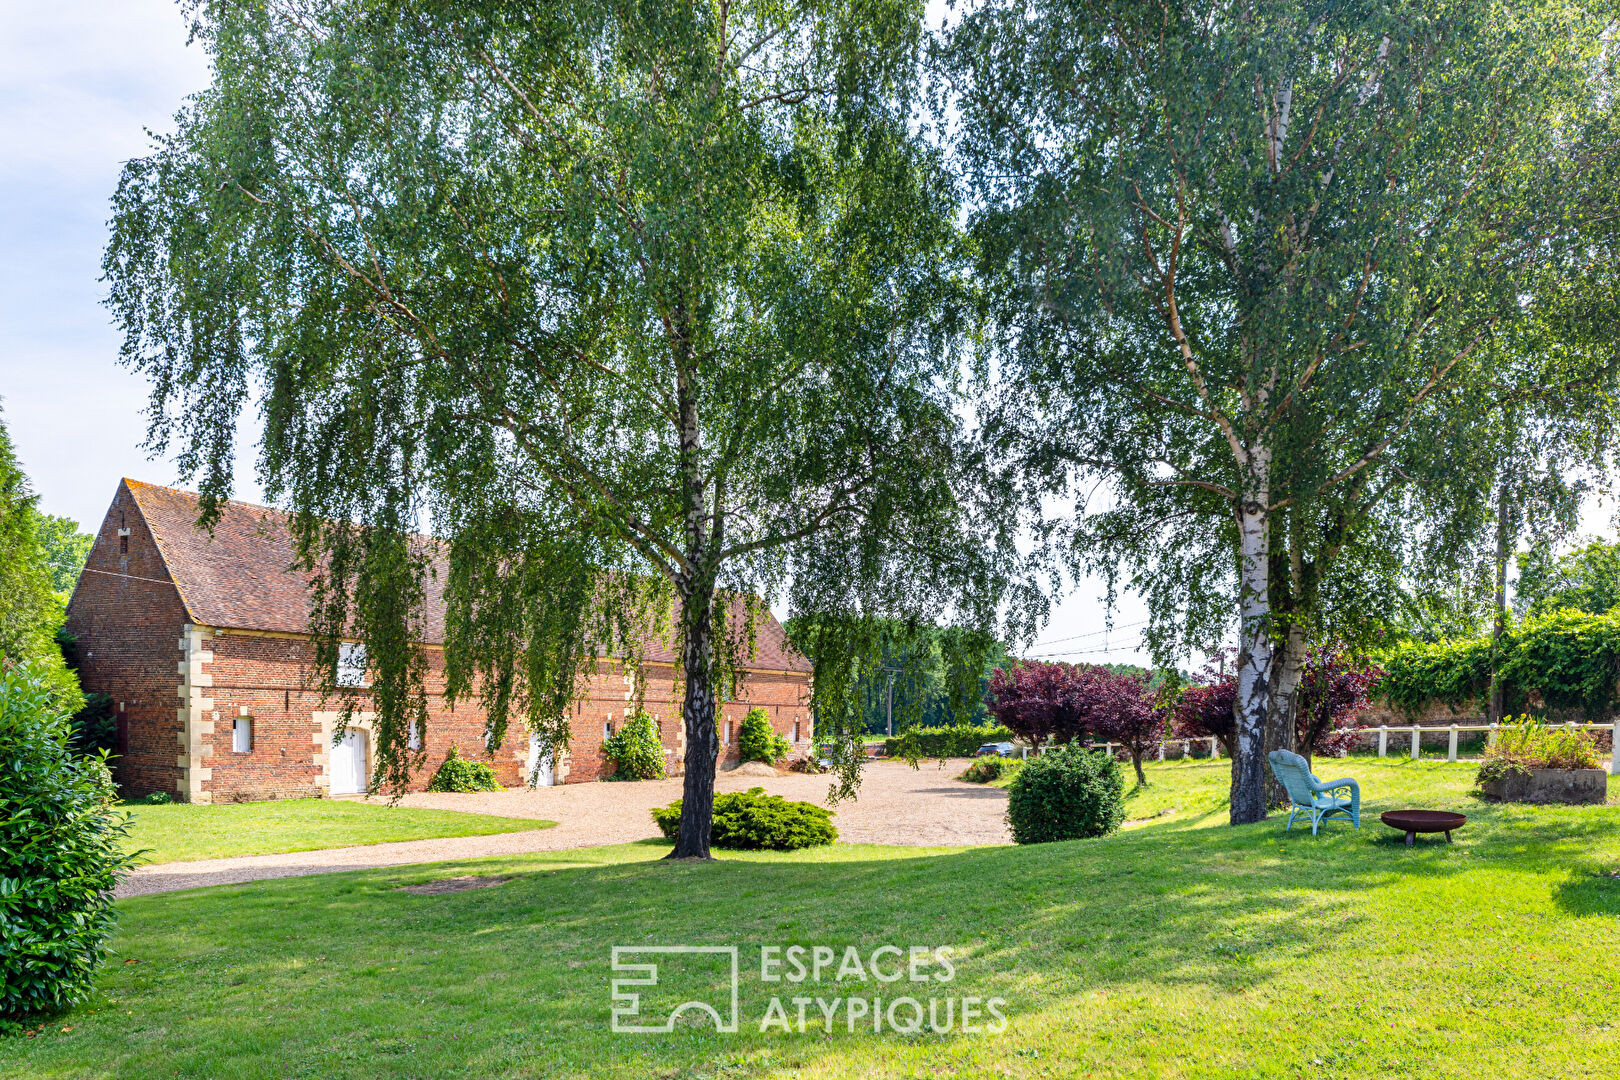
635,750
1067,793
754,821
459,774
62,842
756,741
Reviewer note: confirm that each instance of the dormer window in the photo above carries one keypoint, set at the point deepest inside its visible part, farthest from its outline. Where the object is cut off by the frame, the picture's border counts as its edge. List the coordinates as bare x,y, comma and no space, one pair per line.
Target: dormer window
351,670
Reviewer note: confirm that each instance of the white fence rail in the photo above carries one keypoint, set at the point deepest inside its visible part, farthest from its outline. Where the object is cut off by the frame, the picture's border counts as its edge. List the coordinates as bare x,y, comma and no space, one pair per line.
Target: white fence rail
1413,733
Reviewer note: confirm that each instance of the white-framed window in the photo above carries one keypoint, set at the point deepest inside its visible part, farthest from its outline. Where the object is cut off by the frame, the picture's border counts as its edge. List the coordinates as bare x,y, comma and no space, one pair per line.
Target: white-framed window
352,664
416,734
242,735
607,729
795,731
725,734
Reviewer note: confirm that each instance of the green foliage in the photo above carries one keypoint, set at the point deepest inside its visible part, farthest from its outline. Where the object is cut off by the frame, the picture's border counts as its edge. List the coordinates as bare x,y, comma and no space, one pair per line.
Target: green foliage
1526,743
62,842
30,607
1237,276
955,740
158,798
459,774
95,727
988,768
1587,579
1568,658
755,821
756,741
652,310
65,549
635,749
1067,793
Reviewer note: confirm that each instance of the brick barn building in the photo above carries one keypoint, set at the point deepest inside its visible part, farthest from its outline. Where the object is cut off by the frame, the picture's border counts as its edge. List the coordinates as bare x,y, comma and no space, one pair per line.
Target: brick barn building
202,643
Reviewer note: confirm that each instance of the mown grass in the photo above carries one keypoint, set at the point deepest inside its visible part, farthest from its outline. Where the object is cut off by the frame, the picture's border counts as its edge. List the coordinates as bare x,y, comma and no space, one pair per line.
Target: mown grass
176,831
1177,948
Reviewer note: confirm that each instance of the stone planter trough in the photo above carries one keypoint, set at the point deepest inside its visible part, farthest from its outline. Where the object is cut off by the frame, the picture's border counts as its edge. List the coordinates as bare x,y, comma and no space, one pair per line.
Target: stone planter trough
1551,786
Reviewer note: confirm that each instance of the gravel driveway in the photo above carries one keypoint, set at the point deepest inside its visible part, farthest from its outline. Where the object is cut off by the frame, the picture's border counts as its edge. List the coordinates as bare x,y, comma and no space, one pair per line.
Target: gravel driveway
897,805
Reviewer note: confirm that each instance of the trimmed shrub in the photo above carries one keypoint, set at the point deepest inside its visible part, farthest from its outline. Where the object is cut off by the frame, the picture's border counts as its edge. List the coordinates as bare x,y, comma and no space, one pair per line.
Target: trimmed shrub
754,821
635,750
1068,793
158,798
459,774
756,741
62,841
957,740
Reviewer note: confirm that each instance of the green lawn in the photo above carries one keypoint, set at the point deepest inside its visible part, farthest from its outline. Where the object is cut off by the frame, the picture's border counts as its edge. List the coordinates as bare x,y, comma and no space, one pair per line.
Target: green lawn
179,831
1179,948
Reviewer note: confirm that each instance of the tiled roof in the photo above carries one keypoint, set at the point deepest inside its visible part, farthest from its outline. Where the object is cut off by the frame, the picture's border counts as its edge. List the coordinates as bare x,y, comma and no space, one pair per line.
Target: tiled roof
239,578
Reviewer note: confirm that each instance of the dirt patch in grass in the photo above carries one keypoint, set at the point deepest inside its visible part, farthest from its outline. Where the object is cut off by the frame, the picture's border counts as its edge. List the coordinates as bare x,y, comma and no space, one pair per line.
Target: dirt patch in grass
454,884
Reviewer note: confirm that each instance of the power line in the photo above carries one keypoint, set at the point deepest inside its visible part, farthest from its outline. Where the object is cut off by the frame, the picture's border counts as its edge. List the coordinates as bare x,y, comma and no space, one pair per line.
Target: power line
1091,634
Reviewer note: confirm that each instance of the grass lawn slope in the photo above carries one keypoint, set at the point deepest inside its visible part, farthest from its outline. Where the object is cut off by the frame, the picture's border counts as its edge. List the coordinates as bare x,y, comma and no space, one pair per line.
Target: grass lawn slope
1178,948
177,831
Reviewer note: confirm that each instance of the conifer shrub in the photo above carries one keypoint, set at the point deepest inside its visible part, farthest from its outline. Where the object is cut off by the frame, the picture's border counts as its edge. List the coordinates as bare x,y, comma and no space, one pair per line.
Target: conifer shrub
756,741
754,821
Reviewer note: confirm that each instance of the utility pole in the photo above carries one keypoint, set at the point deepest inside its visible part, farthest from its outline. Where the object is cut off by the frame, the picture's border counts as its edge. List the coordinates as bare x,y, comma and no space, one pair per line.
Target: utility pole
889,698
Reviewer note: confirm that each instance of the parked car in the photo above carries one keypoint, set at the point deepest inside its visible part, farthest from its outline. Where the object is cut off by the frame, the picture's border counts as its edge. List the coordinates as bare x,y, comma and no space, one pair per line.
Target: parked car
1004,749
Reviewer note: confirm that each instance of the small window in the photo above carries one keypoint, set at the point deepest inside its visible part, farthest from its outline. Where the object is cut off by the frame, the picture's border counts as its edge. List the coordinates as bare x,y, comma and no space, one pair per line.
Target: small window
242,735
351,665
725,734
795,731
416,735
607,730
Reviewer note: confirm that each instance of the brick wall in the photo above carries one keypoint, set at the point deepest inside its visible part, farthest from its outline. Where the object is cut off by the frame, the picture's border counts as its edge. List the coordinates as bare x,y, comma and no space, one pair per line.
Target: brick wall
180,689
127,617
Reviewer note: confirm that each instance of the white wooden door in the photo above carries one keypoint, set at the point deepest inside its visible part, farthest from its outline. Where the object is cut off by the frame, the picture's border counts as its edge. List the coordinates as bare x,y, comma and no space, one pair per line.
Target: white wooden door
545,777
349,763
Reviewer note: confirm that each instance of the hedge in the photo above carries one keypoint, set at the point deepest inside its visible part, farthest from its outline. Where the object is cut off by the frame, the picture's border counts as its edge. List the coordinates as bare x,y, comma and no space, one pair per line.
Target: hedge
957,740
1569,658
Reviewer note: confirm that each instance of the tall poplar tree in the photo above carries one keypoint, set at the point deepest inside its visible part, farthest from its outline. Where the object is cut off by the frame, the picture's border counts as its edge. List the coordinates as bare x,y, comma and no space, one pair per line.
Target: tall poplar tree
1263,272
641,308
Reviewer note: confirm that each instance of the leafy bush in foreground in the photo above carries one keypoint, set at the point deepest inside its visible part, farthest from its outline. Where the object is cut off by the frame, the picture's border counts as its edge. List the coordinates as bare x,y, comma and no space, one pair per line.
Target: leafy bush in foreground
635,750
756,741
754,821
61,851
459,774
1067,793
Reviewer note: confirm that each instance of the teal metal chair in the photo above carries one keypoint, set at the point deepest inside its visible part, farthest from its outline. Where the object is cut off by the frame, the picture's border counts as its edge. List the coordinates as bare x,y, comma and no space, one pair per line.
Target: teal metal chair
1308,795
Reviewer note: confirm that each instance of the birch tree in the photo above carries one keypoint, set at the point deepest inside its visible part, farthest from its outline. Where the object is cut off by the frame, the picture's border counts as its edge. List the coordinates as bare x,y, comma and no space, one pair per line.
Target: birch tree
1261,271
640,309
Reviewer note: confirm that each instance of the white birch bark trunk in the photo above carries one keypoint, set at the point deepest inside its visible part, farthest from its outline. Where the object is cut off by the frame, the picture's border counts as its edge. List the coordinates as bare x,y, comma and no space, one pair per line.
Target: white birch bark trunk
1255,659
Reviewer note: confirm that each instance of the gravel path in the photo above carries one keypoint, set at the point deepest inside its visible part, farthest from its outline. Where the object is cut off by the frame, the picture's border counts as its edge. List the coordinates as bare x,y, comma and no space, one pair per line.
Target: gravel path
897,805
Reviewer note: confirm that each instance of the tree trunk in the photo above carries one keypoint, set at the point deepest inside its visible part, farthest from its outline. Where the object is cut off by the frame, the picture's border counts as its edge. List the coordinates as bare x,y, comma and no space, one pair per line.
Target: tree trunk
1500,625
1282,725
1141,777
1254,677
697,714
